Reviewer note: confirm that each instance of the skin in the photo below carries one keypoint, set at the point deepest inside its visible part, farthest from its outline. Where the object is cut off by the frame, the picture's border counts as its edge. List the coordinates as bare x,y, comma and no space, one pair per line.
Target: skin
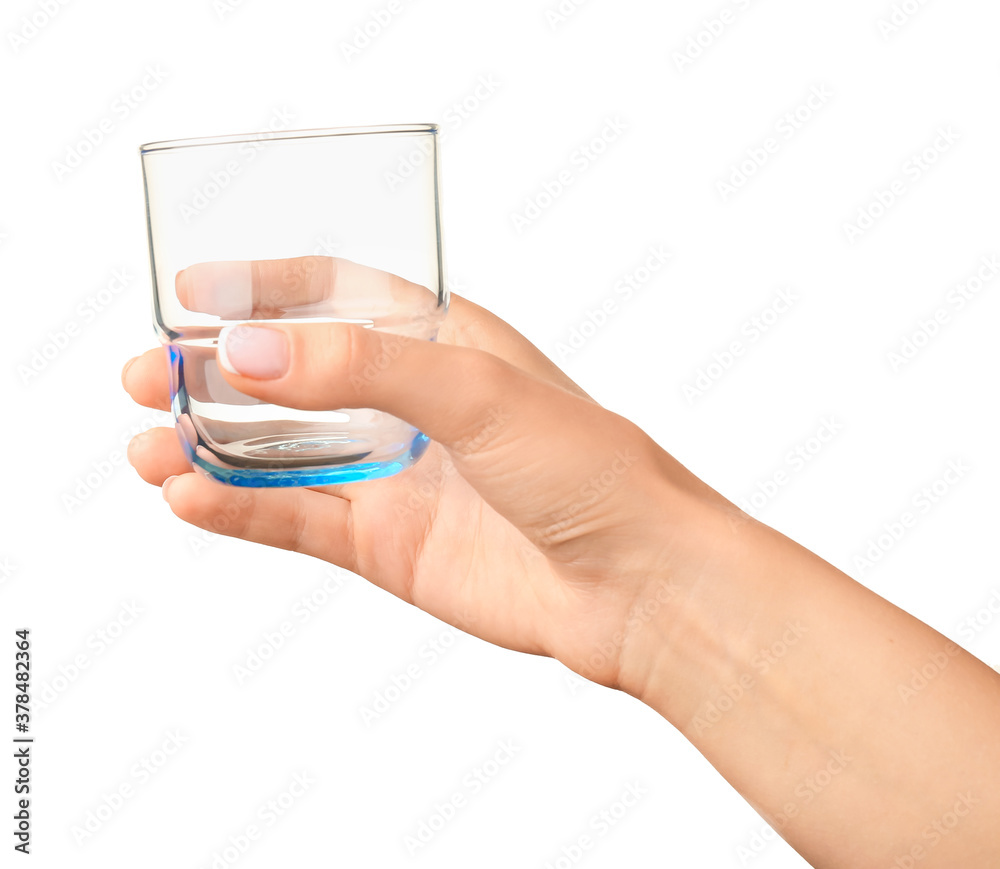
544,523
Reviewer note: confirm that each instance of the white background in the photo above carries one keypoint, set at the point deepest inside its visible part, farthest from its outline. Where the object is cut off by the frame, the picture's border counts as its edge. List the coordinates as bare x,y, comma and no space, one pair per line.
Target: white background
71,566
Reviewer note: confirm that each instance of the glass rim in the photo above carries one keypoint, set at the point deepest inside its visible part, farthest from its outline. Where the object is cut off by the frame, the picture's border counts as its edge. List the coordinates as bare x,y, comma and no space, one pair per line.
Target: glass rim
278,135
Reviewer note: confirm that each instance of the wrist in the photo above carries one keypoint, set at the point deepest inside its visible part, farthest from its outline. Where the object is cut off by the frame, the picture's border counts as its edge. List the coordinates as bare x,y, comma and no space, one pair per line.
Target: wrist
690,628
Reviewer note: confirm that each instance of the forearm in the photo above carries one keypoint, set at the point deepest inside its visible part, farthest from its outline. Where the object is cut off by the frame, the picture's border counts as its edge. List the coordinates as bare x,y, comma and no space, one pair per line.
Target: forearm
859,733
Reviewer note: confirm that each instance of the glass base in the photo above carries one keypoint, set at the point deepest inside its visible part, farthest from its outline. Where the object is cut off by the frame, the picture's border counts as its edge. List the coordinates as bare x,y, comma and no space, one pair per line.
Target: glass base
309,476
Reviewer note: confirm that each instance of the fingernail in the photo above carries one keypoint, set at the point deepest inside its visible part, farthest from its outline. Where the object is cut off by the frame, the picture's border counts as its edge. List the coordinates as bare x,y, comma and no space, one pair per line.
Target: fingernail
166,485
253,351
128,365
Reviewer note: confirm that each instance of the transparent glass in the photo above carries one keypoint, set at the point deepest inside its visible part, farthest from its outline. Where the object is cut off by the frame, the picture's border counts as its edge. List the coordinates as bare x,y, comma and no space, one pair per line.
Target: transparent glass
306,225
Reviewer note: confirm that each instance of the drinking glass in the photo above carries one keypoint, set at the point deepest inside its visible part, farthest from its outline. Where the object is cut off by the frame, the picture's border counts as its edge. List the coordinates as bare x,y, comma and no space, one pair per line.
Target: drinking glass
313,226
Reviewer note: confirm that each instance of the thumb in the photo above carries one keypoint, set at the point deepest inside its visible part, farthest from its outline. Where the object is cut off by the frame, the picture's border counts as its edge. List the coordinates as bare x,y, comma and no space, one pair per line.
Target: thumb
541,456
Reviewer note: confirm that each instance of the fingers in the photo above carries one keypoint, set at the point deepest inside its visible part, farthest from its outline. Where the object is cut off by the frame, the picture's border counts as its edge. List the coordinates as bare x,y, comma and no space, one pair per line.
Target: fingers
146,379
156,454
282,518
299,520
322,286
510,433
307,286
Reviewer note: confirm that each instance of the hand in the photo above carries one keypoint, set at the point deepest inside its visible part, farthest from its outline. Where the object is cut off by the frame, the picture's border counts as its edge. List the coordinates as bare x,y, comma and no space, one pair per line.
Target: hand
537,520
542,522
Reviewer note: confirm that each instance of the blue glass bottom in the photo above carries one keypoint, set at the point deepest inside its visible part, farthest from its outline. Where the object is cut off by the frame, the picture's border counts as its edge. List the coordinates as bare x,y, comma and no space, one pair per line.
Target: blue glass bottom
350,473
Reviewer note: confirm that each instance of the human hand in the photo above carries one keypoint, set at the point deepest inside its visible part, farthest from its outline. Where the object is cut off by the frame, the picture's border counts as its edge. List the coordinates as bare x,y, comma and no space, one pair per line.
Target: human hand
537,520
544,523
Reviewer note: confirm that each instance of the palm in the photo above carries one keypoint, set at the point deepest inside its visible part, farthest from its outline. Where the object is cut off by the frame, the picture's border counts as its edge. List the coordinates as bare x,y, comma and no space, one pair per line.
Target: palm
427,537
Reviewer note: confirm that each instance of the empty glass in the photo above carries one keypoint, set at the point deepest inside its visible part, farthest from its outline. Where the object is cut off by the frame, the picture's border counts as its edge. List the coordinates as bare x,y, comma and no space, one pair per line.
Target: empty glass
306,225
